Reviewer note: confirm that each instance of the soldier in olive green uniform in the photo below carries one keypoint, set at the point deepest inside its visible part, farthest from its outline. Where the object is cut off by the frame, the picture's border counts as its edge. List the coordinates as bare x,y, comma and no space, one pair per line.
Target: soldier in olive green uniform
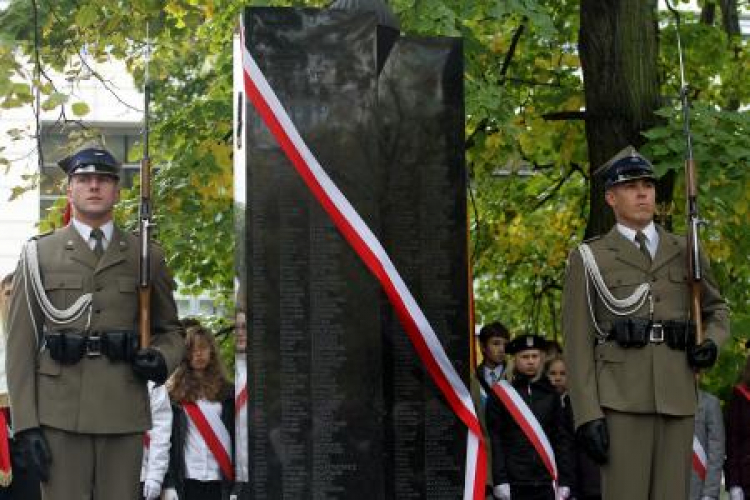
76,375
630,347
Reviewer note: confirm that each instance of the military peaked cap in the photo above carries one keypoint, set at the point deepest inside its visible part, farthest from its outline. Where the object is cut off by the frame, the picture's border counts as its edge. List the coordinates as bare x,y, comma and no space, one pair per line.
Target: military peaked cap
91,160
525,342
627,165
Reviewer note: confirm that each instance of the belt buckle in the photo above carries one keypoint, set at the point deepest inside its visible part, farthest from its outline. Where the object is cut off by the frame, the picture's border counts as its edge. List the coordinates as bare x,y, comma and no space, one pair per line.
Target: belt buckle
93,346
656,333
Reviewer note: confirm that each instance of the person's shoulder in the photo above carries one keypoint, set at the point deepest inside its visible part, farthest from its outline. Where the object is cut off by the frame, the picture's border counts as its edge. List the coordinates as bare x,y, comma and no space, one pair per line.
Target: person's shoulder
545,385
51,237
670,236
46,234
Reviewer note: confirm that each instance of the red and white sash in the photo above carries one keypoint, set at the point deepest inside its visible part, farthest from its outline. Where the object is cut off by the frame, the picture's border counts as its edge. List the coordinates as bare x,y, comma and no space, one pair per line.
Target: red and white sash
240,400
742,389
699,458
6,471
528,423
214,433
373,255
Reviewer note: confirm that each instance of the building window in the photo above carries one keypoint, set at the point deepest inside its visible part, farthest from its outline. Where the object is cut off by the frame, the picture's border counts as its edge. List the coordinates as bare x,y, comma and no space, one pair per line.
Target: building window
119,140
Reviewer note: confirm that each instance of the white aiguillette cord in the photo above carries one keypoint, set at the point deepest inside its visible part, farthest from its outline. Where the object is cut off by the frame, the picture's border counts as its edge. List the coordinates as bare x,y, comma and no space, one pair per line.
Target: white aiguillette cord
618,307
30,267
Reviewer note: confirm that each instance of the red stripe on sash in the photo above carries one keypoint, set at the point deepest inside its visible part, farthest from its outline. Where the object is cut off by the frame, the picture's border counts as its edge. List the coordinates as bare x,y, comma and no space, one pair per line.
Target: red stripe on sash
209,436
240,400
6,473
743,390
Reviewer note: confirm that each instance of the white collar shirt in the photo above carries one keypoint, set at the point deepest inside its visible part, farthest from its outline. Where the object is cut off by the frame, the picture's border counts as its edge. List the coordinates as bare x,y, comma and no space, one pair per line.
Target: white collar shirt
492,375
652,236
85,231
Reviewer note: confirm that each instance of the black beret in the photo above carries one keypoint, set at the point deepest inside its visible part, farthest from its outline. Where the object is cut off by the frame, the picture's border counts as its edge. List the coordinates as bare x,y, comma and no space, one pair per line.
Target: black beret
524,342
91,161
627,165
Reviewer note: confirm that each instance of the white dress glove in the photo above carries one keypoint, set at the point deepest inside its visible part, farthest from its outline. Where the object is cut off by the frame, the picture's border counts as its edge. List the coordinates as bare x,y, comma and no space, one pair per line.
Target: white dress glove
563,493
502,491
151,489
736,493
171,494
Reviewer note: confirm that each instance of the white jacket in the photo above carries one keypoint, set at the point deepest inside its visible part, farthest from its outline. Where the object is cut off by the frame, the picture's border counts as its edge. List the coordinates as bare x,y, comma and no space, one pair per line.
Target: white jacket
156,455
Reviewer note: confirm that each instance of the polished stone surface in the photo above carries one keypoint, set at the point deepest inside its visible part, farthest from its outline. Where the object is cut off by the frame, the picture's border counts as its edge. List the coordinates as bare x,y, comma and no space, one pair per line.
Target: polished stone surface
339,406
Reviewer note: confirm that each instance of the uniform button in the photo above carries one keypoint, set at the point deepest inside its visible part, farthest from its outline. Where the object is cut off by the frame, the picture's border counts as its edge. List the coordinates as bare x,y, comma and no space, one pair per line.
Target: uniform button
98,311
99,288
653,278
658,299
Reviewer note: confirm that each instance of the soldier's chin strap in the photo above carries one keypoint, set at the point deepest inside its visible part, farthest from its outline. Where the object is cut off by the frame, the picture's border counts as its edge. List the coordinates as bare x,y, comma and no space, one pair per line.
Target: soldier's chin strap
32,279
619,307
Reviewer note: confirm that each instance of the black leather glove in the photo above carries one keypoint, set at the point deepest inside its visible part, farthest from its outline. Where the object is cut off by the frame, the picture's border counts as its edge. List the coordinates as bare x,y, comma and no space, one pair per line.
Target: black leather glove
594,438
149,364
35,451
703,355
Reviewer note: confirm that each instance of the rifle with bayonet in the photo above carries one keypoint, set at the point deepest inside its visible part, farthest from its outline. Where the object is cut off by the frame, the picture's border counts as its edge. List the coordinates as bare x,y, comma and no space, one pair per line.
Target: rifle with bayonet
695,273
145,225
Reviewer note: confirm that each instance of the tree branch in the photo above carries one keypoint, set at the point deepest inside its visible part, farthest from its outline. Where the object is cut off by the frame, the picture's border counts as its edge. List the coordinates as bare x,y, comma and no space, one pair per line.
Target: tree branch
512,49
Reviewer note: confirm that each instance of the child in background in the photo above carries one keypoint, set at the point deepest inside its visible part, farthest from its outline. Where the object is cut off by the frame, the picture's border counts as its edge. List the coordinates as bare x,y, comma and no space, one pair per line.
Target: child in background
202,397
518,470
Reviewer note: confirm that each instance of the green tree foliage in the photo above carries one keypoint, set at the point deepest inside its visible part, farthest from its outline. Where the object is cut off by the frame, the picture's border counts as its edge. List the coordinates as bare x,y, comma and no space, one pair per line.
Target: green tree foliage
524,97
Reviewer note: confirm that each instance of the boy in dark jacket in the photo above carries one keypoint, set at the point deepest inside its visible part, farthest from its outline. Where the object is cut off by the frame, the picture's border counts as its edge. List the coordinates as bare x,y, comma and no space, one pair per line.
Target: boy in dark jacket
518,470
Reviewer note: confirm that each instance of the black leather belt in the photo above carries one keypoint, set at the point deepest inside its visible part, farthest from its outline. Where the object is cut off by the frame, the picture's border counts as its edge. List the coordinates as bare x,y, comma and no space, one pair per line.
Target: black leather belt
638,332
69,347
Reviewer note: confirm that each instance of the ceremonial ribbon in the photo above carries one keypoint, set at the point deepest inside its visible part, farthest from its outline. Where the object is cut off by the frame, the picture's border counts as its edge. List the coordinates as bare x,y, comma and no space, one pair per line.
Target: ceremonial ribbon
215,435
240,400
528,423
743,390
374,256
699,459
6,472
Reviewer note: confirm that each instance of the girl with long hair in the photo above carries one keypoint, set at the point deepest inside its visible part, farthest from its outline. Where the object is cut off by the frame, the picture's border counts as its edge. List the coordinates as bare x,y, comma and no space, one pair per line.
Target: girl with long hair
202,434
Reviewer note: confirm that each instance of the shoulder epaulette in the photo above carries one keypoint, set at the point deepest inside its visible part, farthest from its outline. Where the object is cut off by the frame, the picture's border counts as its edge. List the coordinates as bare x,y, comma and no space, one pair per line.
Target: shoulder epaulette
593,238
40,236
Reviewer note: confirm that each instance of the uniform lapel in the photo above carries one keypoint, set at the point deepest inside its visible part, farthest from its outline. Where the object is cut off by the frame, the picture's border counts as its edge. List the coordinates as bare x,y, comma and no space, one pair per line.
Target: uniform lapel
77,248
625,251
115,252
669,248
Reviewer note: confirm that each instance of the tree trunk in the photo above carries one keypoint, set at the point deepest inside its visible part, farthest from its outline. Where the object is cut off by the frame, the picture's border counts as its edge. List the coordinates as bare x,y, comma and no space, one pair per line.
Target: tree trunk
618,47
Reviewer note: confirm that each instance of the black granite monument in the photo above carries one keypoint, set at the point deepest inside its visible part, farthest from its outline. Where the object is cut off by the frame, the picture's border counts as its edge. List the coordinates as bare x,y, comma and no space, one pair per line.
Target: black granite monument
340,406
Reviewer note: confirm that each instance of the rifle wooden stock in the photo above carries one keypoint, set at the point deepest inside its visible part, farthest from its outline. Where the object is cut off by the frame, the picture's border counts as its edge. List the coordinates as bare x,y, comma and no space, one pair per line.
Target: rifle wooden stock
693,242
144,316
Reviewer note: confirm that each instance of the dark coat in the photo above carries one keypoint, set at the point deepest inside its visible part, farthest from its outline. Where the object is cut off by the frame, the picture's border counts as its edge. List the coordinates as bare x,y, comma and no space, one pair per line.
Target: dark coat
514,459
175,477
738,441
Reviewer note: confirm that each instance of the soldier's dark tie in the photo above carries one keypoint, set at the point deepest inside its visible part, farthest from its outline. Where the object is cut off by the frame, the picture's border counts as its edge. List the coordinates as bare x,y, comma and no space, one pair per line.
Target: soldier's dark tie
98,236
640,238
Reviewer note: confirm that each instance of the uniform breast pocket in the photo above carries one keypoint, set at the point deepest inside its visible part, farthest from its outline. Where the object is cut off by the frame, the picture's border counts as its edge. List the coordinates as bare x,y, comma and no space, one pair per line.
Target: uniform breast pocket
623,283
127,288
63,289
679,290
